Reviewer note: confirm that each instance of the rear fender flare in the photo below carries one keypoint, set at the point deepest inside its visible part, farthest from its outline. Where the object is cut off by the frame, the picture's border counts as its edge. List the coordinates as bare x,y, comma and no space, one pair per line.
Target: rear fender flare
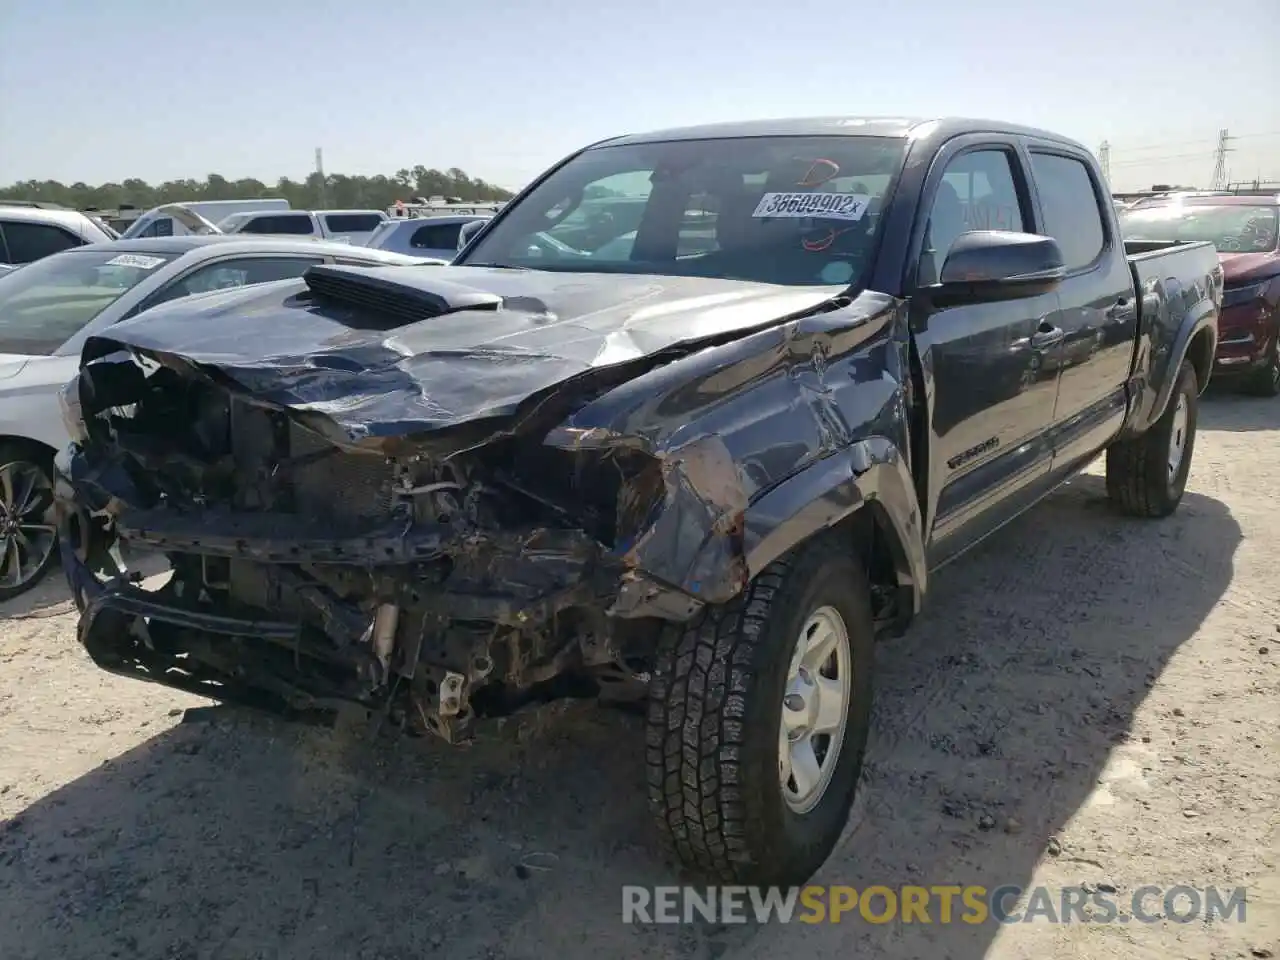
870,474
1165,359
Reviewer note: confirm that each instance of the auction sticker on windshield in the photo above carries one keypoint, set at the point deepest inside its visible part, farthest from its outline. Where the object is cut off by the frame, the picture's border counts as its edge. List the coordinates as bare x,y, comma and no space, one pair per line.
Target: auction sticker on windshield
135,260
822,206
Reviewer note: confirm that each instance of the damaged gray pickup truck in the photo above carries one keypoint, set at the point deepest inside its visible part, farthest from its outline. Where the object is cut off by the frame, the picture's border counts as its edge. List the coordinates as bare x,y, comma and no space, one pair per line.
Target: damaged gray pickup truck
688,422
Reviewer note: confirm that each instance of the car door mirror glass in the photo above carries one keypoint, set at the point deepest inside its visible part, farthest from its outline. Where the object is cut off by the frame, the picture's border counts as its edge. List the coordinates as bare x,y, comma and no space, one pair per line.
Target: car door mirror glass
989,265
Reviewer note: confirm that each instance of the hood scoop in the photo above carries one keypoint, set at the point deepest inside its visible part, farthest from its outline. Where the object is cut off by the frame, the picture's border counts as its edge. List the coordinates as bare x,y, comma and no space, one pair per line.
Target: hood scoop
403,295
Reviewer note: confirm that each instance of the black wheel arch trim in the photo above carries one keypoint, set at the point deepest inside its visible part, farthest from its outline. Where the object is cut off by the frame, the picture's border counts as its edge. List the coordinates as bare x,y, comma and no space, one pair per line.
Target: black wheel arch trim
1152,392
869,474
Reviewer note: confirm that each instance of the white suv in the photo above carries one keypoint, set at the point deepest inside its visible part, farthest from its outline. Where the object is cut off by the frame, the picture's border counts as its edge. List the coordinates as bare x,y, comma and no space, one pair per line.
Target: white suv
28,233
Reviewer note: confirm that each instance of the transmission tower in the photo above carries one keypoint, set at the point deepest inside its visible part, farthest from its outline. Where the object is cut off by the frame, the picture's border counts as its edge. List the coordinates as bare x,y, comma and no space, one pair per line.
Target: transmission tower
1220,161
1104,160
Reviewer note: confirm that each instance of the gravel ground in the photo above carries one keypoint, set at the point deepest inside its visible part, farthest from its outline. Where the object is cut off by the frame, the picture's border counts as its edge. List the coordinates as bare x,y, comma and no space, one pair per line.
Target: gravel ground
1088,700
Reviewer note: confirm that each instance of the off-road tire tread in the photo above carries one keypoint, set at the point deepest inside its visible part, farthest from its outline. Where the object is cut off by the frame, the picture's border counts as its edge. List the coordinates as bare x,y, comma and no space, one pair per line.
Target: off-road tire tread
695,745
1135,467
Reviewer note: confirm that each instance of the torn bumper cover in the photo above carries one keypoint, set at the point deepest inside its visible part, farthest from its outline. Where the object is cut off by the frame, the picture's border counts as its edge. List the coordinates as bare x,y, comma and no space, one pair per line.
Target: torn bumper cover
359,521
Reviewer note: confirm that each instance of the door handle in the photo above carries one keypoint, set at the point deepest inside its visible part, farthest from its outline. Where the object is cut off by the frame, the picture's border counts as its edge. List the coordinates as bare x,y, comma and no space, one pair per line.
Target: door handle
1118,309
1047,336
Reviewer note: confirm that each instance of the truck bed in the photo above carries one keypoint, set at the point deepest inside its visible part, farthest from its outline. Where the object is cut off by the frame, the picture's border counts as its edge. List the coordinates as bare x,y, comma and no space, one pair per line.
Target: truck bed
1158,266
1176,284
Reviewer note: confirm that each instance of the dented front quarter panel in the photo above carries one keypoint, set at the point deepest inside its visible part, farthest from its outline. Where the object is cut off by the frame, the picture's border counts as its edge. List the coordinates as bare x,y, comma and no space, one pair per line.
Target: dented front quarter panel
764,442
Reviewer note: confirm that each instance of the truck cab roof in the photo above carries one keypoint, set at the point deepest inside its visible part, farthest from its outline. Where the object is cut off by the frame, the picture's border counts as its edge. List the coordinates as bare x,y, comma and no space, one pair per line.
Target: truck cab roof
861,126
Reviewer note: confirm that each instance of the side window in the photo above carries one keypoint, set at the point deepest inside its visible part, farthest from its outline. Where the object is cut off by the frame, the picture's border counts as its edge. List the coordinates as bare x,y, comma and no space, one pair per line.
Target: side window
294,224
440,236
977,192
28,242
160,227
229,274
352,222
1070,204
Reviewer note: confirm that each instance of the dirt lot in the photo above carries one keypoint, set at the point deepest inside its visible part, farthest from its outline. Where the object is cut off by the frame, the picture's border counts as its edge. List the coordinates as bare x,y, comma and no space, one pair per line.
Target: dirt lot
1089,700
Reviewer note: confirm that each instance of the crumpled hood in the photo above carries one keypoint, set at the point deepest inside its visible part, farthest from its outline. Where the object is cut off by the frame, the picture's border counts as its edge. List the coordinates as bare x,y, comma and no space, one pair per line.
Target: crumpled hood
1239,268
295,350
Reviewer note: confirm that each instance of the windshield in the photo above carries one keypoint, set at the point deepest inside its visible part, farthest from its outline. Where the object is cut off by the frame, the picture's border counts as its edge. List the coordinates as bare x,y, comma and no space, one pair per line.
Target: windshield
785,210
47,302
1232,228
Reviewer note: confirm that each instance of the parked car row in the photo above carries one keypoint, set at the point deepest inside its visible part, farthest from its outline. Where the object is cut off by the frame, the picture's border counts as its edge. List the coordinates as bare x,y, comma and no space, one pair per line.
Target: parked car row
691,421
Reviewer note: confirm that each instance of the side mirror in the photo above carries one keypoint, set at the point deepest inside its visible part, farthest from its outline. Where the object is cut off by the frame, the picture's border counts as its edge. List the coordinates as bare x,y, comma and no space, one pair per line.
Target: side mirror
468,231
984,266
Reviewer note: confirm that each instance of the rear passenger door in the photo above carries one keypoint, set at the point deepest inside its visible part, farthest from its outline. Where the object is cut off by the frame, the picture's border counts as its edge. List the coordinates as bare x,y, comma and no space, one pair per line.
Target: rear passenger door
1096,309
992,398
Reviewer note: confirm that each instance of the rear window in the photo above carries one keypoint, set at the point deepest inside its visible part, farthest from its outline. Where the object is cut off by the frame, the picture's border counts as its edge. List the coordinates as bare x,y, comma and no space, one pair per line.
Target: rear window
436,236
352,222
295,224
785,210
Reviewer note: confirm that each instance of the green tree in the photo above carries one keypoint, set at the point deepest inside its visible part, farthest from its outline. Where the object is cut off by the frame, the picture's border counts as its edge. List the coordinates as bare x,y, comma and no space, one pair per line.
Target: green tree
339,190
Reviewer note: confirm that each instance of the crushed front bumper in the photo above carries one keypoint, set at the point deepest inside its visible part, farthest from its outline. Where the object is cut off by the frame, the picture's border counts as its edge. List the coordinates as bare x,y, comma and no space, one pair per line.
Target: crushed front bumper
318,655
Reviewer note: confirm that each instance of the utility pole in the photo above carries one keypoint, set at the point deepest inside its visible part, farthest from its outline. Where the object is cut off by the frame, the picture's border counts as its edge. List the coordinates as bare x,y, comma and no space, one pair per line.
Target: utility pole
1220,161
1104,161
320,173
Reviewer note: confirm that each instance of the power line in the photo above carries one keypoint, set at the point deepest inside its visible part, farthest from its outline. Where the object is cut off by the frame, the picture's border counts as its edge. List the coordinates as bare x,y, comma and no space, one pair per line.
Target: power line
1199,155
1187,143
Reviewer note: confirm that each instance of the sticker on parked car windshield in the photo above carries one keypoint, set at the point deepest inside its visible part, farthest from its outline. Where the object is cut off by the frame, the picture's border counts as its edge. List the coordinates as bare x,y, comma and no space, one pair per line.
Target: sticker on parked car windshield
135,260
823,206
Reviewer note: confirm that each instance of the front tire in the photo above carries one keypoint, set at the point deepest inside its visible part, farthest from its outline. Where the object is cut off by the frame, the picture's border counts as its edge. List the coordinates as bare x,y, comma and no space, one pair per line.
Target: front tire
1267,383
1147,474
758,720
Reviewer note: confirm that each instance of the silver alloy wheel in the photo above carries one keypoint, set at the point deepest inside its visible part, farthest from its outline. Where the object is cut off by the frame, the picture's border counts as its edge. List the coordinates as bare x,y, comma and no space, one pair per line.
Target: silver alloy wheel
1178,437
814,709
28,535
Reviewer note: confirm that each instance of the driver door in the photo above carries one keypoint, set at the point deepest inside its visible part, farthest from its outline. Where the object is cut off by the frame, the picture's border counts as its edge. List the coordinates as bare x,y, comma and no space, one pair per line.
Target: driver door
991,382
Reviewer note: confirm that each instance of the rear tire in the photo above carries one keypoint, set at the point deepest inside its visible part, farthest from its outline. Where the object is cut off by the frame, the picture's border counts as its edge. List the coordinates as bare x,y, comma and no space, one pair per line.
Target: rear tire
717,752
1147,474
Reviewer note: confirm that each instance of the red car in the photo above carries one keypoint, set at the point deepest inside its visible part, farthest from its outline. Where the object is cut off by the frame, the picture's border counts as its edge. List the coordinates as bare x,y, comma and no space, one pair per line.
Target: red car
1246,231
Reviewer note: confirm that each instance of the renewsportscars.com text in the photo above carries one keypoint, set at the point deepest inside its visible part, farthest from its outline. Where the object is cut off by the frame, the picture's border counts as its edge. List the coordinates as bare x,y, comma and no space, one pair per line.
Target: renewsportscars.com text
938,904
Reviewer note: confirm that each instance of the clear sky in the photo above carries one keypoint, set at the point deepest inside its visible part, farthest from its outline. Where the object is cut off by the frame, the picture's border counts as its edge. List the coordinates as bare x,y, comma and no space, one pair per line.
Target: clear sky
98,90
